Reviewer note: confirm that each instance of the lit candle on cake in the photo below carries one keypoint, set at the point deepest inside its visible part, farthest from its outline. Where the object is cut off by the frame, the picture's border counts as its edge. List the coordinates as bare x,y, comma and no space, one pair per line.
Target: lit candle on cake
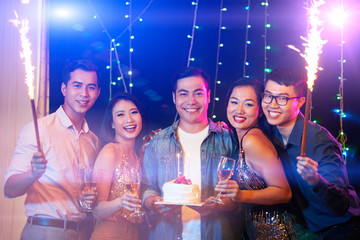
178,163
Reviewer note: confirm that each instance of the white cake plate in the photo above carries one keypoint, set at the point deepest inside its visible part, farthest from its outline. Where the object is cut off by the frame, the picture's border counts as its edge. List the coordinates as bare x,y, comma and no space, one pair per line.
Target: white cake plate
179,203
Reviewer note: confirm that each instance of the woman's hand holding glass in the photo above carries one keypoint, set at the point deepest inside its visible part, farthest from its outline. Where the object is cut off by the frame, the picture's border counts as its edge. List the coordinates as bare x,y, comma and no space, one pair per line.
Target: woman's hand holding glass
131,199
230,189
225,171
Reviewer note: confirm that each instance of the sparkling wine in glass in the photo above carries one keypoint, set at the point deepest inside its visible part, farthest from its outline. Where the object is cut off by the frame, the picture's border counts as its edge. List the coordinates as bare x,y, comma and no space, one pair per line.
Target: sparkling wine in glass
225,174
225,171
133,186
90,178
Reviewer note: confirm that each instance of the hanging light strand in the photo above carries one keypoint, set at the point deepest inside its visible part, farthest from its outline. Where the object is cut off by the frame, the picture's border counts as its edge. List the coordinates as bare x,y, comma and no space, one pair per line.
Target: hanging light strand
99,20
192,32
110,71
266,47
118,64
217,57
247,8
135,20
342,138
130,47
113,45
191,41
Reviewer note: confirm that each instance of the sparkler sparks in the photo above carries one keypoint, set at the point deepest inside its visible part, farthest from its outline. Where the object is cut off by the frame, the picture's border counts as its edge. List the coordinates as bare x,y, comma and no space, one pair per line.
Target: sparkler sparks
313,48
313,44
25,55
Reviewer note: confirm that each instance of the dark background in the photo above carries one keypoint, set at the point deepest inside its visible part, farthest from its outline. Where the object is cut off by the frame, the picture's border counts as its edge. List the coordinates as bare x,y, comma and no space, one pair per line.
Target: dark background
161,49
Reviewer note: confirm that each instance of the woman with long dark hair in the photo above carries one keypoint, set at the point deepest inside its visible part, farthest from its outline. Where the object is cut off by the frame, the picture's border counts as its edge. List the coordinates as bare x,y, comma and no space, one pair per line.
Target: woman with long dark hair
261,183
124,122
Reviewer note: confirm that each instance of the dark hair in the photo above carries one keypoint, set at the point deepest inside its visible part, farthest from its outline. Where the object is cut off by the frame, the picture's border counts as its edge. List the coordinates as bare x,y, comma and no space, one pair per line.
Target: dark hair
289,77
259,90
107,133
84,65
190,72
252,82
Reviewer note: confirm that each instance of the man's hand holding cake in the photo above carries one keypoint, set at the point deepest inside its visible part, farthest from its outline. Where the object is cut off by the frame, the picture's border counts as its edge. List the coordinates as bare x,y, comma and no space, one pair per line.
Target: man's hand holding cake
181,190
178,191
158,208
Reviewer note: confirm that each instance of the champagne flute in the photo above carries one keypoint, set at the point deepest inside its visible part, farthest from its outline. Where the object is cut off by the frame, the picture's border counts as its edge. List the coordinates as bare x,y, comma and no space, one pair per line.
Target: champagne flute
133,185
225,171
90,178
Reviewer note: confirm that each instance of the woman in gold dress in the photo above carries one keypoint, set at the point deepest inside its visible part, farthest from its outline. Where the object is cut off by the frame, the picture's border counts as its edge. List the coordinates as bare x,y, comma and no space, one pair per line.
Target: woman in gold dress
119,166
261,183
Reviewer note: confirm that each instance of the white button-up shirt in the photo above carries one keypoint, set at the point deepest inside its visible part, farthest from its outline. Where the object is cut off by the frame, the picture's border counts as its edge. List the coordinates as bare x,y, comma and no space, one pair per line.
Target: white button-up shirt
56,192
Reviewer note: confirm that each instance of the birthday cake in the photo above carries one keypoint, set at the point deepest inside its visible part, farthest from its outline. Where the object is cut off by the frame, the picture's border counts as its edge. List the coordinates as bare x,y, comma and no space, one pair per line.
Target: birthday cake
181,190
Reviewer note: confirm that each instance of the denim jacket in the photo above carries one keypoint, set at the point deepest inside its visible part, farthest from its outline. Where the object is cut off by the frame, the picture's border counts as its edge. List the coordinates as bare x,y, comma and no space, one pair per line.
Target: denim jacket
160,166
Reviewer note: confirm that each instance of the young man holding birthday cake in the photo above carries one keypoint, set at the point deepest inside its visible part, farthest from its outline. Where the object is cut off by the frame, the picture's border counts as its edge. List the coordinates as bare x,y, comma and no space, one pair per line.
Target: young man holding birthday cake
183,159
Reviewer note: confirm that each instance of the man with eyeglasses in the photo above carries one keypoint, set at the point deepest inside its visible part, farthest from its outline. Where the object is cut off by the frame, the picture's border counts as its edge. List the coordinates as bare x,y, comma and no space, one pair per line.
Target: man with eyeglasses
322,195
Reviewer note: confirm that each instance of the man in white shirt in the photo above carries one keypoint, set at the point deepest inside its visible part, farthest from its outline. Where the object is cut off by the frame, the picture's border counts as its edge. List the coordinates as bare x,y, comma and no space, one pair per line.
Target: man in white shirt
50,179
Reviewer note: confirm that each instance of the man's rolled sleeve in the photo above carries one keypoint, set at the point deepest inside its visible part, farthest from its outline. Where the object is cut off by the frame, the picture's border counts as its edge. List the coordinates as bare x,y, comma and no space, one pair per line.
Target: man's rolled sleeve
150,172
21,158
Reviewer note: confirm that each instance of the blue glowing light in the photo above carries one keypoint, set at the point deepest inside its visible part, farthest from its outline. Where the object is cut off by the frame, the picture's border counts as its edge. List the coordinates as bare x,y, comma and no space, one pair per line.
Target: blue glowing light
63,12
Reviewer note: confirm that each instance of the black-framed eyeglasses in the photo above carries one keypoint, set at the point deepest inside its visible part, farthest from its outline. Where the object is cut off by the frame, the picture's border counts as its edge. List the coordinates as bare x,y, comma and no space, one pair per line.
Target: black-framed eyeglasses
280,100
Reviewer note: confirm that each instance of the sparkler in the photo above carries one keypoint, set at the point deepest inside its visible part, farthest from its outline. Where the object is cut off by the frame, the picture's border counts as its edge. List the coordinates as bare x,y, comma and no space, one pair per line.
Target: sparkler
313,48
25,55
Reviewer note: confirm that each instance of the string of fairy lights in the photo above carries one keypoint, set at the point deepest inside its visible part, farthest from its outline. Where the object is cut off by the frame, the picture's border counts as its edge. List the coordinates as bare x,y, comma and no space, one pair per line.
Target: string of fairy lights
266,46
247,41
114,44
219,45
191,37
131,50
342,138
194,26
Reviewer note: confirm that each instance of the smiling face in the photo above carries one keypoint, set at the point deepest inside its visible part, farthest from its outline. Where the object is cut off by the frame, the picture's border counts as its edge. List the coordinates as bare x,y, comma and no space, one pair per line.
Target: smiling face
127,121
282,116
243,108
80,93
192,100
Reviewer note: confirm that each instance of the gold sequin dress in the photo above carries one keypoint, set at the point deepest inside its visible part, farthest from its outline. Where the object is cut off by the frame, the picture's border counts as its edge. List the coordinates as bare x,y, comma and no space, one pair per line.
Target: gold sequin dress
118,188
124,226
262,222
